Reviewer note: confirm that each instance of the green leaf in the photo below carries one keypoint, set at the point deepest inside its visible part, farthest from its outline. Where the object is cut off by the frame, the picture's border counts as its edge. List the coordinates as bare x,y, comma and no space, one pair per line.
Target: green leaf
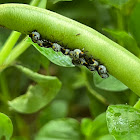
134,23
125,39
32,101
86,126
99,127
6,127
96,129
57,58
109,84
53,111
123,122
117,3
36,96
61,129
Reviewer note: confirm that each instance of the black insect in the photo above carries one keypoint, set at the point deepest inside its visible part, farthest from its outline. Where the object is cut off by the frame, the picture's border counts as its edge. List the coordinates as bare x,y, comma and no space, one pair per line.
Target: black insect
79,57
35,36
102,71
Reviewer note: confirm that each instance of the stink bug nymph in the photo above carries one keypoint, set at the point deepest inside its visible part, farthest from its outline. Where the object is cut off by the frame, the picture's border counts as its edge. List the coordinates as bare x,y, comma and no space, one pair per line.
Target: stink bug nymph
35,36
56,47
102,69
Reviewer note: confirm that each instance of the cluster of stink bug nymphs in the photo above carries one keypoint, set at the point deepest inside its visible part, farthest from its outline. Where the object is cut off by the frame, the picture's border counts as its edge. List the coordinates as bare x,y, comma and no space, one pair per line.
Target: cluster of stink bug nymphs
79,57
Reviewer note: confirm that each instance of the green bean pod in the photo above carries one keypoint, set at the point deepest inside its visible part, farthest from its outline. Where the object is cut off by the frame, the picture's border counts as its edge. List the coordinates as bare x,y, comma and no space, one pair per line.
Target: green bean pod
120,63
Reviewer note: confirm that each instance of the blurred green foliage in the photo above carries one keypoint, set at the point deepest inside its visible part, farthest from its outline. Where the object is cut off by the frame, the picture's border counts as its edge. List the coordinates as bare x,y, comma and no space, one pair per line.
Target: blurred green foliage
77,110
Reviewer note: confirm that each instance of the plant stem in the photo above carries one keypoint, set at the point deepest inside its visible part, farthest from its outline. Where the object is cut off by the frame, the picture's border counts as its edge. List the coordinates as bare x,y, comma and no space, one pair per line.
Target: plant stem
43,4
9,44
23,127
120,21
4,88
96,95
16,52
34,2
91,90
120,24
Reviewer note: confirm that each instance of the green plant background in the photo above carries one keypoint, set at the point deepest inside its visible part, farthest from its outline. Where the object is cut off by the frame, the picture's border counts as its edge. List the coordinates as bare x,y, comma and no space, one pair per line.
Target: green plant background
41,99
